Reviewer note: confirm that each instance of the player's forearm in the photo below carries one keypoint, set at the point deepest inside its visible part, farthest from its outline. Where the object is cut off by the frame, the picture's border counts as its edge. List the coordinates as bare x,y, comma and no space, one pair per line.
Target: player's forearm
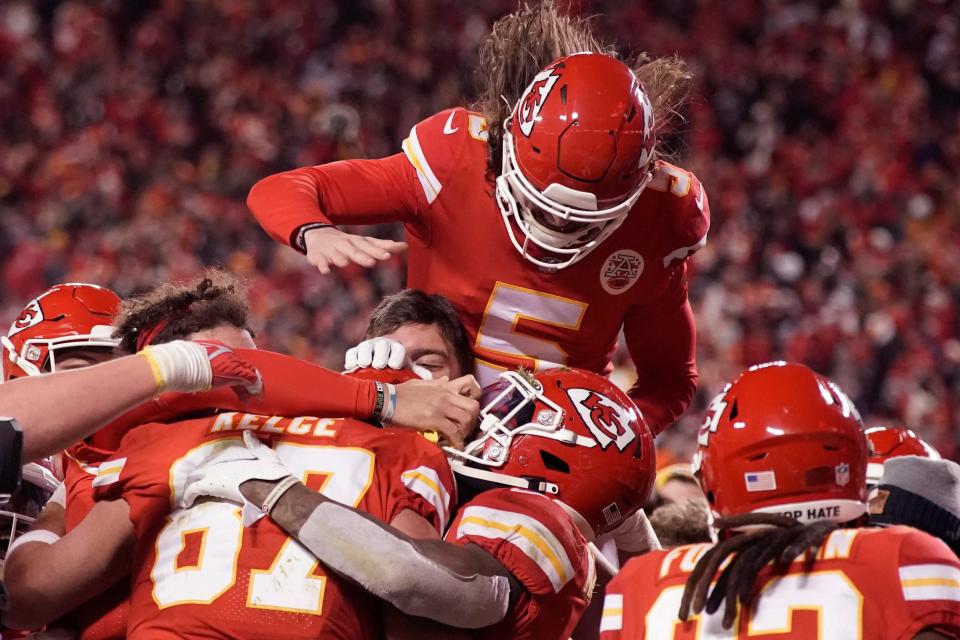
46,580
347,192
56,410
454,585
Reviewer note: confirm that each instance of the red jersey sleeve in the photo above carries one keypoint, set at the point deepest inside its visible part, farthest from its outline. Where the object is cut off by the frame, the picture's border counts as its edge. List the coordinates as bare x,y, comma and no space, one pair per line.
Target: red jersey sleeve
139,472
662,340
291,387
344,192
398,188
928,575
80,464
661,333
425,484
536,541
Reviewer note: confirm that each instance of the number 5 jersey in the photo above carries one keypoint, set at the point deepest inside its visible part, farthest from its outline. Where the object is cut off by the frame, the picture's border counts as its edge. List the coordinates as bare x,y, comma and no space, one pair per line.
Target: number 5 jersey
441,188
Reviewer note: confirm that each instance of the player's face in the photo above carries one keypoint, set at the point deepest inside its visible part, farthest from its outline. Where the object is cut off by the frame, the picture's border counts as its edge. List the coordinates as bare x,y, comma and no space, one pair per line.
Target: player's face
426,347
232,336
67,359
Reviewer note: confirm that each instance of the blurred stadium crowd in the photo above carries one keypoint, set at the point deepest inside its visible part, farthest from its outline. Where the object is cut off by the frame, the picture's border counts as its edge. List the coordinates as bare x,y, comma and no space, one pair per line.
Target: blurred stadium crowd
827,135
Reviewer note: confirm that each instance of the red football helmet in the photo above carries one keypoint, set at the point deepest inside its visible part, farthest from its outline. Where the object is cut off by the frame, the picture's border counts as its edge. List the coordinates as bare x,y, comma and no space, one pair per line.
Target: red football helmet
577,153
567,433
783,439
891,442
40,480
65,316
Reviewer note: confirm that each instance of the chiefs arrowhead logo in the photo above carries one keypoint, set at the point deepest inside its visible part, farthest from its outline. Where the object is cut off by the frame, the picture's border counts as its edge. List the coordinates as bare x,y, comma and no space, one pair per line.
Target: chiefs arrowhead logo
29,317
532,100
620,271
608,421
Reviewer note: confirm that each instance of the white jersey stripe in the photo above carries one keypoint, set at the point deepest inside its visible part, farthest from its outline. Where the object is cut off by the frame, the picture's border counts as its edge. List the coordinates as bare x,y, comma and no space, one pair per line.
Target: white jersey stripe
930,582
525,533
612,617
426,482
109,472
431,186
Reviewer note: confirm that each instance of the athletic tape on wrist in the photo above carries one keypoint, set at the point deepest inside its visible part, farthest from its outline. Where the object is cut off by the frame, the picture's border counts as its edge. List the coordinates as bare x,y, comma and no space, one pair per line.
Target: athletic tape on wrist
179,365
37,535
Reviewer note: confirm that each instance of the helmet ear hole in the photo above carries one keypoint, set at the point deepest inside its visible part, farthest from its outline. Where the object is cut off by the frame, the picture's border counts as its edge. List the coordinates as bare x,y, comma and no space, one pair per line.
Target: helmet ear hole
710,497
553,462
734,410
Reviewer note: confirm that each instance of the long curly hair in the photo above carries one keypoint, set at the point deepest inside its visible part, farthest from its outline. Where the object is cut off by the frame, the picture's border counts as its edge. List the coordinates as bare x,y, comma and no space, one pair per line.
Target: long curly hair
524,42
176,310
779,539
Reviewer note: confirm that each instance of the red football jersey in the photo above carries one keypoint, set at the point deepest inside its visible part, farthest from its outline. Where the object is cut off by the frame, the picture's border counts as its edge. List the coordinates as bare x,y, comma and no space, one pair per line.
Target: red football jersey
441,188
881,584
284,378
199,572
538,542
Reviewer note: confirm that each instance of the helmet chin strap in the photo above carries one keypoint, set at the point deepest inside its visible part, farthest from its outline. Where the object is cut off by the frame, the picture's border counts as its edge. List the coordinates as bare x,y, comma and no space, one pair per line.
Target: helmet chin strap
530,484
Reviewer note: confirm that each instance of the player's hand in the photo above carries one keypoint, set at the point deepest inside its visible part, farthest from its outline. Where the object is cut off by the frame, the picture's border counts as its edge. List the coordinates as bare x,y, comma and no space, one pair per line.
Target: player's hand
329,247
230,370
186,366
235,462
443,405
377,353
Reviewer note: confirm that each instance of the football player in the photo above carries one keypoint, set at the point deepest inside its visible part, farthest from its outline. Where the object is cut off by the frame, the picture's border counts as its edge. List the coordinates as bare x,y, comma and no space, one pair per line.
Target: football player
563,456
550,222
209,307
412,328
782,461
61,321
391,473
893,442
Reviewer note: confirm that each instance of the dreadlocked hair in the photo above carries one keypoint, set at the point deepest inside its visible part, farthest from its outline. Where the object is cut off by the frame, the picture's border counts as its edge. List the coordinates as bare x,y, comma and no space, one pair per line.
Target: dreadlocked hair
521,44
781,539
176,310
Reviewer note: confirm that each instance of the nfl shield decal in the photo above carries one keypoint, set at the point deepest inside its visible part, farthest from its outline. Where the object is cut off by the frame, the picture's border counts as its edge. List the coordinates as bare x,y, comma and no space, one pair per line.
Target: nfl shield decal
620,271
842,472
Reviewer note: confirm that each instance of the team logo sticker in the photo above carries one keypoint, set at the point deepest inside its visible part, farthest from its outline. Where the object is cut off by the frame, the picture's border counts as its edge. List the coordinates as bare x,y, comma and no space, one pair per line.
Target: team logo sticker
533,99
30,316
608,421
621,271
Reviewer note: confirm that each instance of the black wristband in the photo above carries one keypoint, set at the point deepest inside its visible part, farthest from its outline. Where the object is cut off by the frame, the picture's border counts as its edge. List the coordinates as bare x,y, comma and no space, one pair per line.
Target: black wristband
378,404
296,238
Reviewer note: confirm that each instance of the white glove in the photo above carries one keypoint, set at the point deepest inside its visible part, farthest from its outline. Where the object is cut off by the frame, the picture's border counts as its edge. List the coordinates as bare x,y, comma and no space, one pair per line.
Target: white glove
221,475
377,353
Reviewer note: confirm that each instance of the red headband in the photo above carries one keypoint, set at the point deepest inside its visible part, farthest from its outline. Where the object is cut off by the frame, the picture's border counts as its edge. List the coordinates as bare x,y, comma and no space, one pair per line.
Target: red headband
146,337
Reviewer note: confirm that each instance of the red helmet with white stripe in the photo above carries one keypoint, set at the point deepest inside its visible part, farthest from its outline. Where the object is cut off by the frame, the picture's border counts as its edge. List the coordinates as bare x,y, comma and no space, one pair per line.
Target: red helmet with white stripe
577,153
65,316
567,433
892,442
783,439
